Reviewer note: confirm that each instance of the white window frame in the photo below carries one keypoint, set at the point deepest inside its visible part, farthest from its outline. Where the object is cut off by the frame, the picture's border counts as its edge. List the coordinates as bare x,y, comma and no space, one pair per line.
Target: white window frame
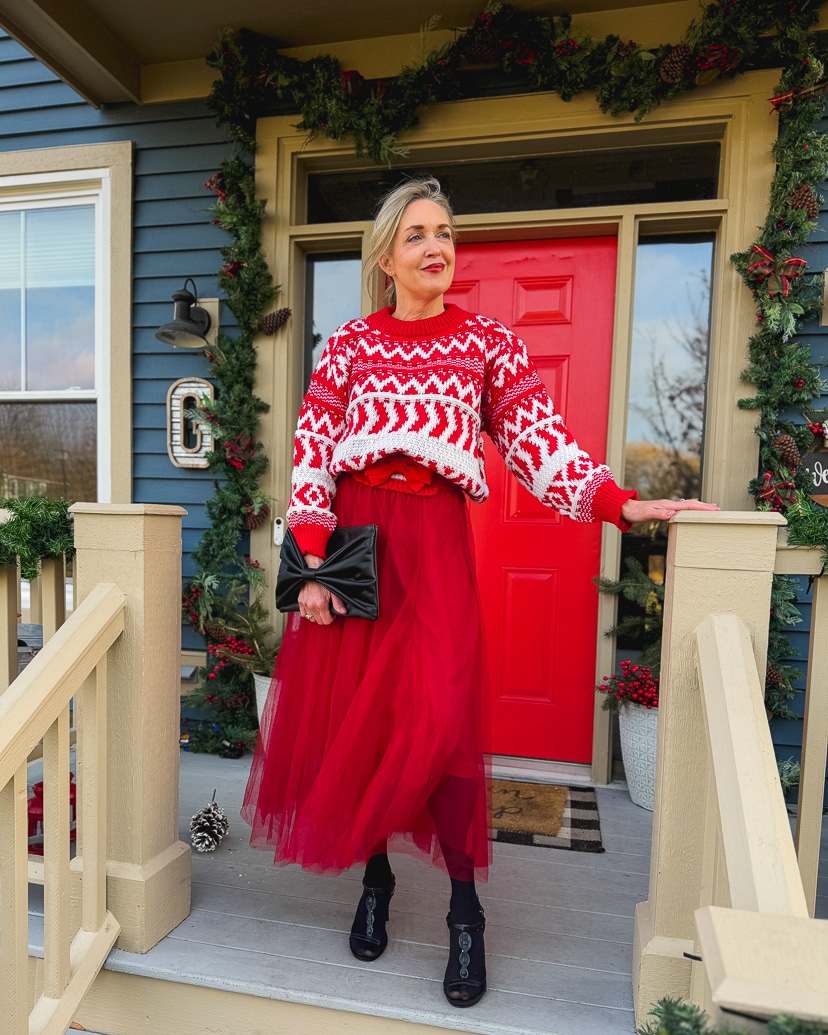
100,175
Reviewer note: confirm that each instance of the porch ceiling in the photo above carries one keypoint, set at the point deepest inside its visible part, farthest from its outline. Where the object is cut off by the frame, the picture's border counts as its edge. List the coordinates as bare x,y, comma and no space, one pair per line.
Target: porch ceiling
104,49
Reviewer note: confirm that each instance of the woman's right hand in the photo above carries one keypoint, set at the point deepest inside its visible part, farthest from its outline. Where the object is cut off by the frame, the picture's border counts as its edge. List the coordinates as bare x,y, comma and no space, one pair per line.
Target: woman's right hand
314,599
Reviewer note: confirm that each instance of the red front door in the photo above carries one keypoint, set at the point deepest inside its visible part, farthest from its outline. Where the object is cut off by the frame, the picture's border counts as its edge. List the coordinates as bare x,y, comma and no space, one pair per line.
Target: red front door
535,567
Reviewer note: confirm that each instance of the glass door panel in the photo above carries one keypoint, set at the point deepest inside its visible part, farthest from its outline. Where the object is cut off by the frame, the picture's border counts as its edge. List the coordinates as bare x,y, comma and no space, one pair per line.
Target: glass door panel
332,296
668,385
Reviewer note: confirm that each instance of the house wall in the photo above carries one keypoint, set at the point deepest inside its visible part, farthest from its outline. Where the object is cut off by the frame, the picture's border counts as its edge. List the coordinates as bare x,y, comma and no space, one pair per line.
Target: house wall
176,148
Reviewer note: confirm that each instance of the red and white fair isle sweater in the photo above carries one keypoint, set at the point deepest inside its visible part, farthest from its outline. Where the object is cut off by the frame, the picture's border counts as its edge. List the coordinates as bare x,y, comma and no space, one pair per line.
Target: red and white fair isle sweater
427,389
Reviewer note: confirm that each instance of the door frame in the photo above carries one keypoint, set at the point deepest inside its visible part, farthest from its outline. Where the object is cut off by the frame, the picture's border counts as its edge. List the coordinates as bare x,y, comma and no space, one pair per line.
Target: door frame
731,112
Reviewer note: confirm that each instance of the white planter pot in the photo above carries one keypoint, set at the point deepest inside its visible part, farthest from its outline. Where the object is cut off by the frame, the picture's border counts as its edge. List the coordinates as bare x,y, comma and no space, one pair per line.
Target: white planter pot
639,728
262,687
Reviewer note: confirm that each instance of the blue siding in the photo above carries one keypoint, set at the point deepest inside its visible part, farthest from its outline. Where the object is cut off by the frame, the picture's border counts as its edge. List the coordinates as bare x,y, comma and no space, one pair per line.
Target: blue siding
177,148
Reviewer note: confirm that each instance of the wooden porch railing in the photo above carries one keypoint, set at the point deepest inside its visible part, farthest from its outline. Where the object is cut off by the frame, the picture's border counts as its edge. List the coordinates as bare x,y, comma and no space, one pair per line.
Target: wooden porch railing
117,657
34,709
47,608
728,921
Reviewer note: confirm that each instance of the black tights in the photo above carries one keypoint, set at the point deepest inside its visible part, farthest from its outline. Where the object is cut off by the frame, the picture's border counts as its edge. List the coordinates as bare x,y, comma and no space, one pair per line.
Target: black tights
452,807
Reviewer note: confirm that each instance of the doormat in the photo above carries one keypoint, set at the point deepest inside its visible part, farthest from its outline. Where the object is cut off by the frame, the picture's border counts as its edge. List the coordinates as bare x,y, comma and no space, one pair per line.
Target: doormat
545,815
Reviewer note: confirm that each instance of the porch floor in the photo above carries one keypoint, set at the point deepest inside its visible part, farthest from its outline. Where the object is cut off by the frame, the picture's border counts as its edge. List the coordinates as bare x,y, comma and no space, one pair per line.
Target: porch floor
559,927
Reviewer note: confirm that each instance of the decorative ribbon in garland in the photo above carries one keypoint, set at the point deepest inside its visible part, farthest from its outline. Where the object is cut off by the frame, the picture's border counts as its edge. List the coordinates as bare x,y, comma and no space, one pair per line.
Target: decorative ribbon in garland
780,495
716,62
784,102
778,272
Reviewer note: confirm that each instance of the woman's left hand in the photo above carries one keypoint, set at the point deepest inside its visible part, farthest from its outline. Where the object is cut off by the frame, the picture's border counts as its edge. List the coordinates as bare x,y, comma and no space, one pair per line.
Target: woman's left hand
659,510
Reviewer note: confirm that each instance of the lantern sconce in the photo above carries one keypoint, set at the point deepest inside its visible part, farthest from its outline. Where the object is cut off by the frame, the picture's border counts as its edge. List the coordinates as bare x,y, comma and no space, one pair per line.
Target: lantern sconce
195,322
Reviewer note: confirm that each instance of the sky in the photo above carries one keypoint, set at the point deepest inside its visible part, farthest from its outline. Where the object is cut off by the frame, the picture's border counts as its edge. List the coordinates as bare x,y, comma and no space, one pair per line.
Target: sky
666,274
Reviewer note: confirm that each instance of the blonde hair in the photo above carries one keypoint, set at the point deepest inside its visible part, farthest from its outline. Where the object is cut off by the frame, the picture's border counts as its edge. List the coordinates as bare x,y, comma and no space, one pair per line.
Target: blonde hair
389,216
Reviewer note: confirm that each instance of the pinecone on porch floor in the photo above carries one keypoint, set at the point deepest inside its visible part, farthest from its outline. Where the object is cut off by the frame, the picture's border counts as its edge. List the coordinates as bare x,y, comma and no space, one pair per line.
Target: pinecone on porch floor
208,827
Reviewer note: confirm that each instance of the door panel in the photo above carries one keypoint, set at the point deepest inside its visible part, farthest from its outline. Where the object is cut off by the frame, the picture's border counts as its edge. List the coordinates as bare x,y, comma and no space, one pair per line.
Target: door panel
535,567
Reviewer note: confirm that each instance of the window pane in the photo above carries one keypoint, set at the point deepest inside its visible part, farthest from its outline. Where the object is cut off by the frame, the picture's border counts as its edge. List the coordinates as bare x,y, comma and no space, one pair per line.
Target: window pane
60,298
682,172
668,380
48,448
60,247
333,295
10,295
47,299
60,338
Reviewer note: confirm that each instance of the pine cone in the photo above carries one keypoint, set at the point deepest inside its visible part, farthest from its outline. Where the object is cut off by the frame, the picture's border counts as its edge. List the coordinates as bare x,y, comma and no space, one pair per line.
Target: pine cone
273,321
804,197
215,631
773,677
788,450
675,65
253,520
207,827
480,53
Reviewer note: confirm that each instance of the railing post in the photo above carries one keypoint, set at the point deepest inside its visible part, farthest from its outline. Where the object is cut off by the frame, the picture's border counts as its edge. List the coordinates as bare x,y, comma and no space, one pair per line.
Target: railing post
138,547
52,583
716,563
8,626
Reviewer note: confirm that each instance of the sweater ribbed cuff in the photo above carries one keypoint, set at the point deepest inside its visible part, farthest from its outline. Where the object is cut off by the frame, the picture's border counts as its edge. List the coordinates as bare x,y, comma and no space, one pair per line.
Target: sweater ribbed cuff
608,501
312,538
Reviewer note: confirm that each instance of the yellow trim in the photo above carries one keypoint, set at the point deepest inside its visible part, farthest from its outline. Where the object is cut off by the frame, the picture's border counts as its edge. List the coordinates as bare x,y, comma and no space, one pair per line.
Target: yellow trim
176,81
734,112
117,159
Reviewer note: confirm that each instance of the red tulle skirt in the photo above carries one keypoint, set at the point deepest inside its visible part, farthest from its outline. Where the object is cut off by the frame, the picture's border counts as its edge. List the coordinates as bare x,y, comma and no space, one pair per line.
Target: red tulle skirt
373,731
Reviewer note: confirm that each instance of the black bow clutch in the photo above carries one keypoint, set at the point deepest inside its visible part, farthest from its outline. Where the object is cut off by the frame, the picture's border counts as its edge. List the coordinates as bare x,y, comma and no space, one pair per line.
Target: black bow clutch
349,570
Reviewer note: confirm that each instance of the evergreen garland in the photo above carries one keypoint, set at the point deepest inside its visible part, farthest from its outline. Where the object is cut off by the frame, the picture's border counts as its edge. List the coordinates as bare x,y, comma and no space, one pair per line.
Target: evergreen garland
645,628
539,53
779,676
213,601
677,1017
37,529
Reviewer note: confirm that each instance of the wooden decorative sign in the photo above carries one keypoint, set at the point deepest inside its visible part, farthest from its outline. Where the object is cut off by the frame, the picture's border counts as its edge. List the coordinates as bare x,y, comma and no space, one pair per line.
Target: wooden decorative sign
816,464
187,442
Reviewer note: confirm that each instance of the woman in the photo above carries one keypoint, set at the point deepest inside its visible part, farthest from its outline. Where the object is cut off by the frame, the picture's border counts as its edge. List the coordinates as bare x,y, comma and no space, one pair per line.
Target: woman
373,729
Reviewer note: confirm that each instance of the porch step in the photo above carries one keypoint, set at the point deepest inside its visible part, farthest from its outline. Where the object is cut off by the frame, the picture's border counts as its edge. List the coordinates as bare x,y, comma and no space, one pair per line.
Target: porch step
559,934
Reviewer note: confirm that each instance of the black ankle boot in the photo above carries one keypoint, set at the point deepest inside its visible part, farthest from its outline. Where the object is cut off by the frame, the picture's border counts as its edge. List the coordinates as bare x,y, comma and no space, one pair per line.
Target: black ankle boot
465,980
368,935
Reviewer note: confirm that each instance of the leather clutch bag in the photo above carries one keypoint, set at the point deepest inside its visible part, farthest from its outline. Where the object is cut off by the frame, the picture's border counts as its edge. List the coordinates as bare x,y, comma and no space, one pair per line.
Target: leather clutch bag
349,571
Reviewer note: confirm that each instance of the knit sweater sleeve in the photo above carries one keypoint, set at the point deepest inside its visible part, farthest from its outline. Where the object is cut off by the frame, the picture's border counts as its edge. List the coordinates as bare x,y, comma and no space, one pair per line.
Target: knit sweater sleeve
320,425
535,443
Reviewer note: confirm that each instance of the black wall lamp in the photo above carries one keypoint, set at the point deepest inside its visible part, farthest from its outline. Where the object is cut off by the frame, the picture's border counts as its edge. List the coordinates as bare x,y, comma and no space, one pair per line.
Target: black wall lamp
191,323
